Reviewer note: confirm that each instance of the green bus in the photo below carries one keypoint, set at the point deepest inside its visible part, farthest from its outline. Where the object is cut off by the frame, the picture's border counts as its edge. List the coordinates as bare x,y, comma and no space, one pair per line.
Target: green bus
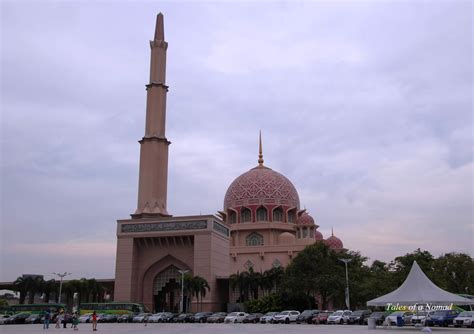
112,308
37,308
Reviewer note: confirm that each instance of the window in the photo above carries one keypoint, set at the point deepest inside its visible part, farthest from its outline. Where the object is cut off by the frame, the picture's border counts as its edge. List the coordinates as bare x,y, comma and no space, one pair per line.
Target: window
248,265
305,232
246,215
291,216
232,217
262,214
278,215
254,239
311,232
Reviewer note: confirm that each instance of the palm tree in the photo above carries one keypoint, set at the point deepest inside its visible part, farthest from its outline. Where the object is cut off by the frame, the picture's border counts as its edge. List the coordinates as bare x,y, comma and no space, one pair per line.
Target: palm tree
201,286
21,286
240,281
48,287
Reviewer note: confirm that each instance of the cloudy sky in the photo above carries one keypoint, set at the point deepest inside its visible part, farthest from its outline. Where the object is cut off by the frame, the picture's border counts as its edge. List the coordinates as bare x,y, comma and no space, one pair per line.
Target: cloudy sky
367,107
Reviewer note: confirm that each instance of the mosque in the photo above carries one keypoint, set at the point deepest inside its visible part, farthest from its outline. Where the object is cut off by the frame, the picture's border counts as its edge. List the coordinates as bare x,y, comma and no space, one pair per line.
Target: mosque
261,225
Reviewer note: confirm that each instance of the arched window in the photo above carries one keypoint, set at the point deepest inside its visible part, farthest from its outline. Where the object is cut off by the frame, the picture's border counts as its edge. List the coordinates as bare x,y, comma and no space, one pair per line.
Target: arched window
305,232
262,214
278,215
311,232
298,233
245,215
291,216
254,239
232,217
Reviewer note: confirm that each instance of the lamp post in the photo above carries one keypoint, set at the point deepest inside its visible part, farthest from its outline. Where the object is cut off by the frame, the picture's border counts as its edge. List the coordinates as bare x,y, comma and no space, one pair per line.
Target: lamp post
346,261
182,272
61,276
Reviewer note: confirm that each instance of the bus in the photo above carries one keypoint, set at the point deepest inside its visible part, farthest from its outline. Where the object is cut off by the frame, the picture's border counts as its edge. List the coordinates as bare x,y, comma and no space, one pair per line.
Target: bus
111,308
37,308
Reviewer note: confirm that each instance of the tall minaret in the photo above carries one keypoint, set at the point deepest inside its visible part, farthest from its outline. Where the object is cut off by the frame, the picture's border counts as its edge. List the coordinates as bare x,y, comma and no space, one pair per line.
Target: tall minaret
153,179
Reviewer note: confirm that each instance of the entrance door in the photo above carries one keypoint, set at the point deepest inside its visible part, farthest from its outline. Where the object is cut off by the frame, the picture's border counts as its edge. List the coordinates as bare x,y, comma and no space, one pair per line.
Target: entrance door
167,290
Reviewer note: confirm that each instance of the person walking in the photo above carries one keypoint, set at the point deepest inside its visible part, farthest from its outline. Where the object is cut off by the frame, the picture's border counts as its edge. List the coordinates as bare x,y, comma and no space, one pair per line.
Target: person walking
47,317
75,321
58,320
94,321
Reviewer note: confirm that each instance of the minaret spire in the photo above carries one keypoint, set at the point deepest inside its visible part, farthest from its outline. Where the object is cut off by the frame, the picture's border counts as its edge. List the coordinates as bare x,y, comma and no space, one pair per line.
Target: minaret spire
260,154
332,231
153,178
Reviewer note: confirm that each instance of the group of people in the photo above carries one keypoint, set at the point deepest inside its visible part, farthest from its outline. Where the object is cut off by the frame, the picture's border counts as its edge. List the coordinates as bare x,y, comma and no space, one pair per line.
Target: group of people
63,318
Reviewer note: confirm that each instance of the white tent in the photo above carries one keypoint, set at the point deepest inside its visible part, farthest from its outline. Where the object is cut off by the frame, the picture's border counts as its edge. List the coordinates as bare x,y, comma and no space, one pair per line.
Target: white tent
418,289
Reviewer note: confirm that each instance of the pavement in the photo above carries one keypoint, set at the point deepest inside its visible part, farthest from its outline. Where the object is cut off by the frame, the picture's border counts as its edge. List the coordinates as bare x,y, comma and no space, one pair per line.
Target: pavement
224,329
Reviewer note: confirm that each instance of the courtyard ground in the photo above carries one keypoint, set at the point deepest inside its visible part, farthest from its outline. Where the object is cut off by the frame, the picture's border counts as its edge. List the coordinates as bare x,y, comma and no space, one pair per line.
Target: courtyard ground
223,329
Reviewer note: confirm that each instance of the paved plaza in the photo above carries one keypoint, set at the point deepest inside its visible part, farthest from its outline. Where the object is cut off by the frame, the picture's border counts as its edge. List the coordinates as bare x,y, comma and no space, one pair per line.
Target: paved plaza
223,329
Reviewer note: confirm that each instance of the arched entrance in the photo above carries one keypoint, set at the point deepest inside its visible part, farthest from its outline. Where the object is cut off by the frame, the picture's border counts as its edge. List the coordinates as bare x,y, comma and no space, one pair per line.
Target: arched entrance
167,290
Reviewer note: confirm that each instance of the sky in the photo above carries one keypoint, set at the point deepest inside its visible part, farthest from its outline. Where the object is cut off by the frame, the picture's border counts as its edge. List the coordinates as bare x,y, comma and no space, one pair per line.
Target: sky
367,107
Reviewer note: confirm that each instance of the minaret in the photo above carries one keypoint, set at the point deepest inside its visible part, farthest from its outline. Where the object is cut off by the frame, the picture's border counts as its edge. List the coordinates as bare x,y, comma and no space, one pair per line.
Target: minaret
260,152
153,178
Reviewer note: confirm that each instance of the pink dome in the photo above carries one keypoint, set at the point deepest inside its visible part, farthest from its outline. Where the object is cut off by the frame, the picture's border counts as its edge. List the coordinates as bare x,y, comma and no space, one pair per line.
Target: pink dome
318,235
305,219
334,242
261,185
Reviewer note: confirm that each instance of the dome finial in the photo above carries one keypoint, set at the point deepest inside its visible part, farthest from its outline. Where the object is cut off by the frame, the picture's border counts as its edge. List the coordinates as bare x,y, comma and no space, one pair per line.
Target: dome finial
332,231
260,154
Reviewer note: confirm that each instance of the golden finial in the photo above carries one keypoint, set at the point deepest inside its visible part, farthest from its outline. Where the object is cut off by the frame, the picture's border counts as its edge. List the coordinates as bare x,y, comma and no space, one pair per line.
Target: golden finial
332,231
260,154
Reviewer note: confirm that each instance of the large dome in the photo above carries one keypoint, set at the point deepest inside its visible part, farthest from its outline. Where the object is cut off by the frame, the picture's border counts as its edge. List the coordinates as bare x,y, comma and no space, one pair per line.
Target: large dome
261,185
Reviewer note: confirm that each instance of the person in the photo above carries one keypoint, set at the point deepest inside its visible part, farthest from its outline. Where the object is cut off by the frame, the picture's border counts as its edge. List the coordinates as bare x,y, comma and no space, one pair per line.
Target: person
58,320
75,320
65,319
94,321
47,317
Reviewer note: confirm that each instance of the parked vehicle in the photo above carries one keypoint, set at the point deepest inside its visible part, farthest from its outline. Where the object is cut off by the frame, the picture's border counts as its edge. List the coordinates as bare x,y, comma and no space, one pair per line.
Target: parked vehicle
339,317
160,317
321,317
183,317
127,317
18,318
378,316
358,317
3,318
419,318
464,319
141,317
441,318
85,318
201,317
235,317
106,317
217,317
306,316
34,318
267,318
285,317
406,316
252,318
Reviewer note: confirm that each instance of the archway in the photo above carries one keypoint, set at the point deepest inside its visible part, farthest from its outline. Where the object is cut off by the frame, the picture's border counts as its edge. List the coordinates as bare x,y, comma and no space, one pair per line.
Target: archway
167,290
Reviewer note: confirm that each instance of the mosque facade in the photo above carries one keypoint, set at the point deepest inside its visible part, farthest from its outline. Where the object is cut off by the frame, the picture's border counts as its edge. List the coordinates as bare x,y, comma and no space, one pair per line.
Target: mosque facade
261,225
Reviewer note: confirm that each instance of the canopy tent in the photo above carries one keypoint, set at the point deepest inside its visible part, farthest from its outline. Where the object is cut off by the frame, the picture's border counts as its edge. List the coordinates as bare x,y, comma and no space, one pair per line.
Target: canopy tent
418,289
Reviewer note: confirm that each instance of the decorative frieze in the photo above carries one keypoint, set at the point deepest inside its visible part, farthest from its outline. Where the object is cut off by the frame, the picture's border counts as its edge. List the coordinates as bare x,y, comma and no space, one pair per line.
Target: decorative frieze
164,226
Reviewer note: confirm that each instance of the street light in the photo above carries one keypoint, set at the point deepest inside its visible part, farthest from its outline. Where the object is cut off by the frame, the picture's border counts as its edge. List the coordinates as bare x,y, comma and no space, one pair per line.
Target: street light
182,272
61,276
346,261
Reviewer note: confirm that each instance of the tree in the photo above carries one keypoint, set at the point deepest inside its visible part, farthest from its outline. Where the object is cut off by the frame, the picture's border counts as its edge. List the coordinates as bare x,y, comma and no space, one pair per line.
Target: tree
455,272
239,281
314,271
49,287
21,286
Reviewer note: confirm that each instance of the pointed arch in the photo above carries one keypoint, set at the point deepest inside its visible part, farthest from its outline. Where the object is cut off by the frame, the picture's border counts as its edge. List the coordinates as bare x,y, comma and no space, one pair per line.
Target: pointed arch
254,239
277,214
245,215
262,214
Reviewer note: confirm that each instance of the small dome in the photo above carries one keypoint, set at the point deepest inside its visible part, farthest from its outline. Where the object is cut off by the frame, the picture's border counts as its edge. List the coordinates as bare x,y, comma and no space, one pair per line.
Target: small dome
318,235
286,238
334,242
261,186
305,219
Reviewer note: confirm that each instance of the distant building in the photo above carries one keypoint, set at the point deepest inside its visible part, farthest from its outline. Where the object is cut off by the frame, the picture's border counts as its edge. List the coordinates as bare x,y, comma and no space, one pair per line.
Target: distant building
261,225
